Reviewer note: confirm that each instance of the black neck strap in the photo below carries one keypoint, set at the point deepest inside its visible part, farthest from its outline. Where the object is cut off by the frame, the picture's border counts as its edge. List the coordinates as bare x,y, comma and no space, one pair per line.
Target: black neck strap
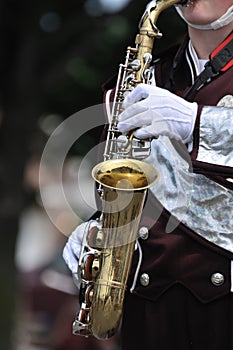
220,60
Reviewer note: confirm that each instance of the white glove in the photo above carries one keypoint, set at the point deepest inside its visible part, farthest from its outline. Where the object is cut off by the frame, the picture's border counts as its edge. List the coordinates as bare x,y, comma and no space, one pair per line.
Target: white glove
72,249
156,111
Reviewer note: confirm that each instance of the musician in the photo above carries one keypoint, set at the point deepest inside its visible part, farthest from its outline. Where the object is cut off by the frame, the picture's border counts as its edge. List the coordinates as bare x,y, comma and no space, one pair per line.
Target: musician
182,296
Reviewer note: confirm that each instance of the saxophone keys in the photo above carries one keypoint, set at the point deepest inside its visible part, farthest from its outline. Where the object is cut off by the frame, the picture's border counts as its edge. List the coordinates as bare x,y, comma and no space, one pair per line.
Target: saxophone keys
88,268
135,65
91,268
81,323
88,296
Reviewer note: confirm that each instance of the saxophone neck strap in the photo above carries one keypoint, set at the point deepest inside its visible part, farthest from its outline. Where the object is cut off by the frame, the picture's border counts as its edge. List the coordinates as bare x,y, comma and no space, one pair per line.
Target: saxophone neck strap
220,60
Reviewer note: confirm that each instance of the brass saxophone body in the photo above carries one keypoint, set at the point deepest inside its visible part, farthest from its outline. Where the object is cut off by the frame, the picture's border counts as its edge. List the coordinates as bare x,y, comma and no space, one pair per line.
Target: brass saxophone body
123,180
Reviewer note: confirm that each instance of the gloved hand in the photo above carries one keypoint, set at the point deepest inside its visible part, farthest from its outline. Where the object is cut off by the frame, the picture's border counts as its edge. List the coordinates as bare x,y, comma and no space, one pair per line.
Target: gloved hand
156,111
72,249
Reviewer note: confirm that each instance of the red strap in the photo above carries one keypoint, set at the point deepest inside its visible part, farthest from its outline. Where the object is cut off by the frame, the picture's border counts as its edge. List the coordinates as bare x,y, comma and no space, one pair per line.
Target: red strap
219,48
227,66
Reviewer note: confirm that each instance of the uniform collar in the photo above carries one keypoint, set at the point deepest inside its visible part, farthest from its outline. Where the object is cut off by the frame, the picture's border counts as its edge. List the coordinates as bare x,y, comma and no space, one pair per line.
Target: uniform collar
196,65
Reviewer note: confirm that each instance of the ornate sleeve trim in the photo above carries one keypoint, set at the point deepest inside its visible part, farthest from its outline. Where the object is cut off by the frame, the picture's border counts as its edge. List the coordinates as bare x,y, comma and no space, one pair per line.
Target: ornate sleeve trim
216,136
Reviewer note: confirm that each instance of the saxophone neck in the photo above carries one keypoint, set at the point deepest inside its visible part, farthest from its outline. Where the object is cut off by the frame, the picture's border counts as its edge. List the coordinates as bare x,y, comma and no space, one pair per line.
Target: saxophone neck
148,31
151,14
149,18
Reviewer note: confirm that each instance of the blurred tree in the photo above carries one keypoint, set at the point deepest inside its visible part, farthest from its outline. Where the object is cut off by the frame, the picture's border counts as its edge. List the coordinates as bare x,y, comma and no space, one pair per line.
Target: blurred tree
54,56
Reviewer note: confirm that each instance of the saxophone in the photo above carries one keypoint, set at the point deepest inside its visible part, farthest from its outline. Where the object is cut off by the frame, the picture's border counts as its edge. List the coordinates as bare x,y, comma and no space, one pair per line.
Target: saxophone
123,180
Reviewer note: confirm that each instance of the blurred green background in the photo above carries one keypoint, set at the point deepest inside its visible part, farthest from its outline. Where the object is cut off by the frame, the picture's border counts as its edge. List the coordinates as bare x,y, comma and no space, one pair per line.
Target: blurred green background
54,57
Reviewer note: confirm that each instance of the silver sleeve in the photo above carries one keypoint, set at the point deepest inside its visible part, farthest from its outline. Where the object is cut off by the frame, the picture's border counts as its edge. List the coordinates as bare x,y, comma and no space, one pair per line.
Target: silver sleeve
216,136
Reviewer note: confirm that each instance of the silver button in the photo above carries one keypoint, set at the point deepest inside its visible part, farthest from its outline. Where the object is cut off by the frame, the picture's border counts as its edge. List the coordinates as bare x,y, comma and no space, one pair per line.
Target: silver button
144,279
217,279
143,232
